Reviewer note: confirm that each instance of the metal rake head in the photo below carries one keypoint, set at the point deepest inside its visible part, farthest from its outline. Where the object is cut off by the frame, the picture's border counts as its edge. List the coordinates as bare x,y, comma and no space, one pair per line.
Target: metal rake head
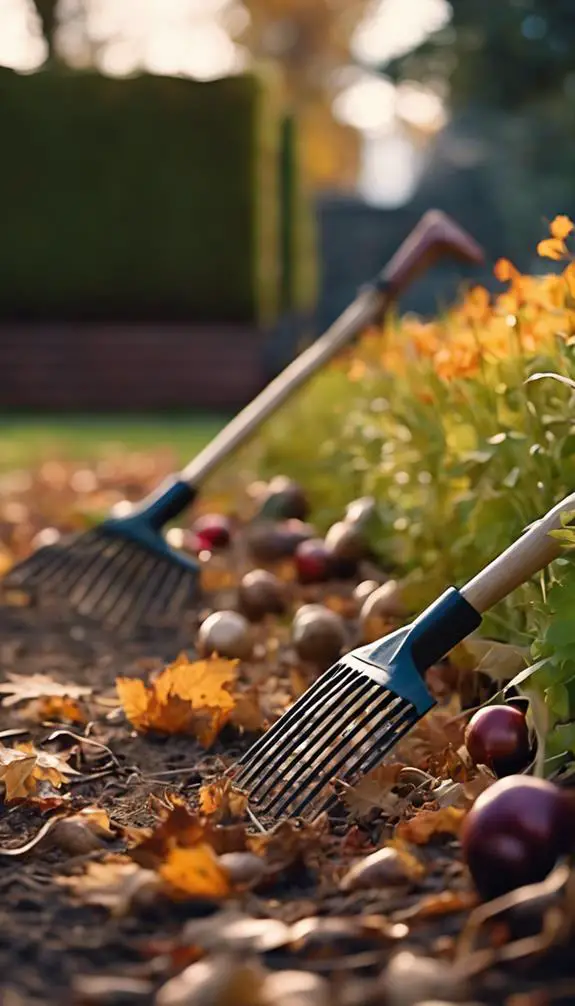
121,574
343,726
354,714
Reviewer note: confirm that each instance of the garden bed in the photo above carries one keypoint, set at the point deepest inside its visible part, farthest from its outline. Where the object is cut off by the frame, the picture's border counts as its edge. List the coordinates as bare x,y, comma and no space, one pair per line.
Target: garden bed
126,859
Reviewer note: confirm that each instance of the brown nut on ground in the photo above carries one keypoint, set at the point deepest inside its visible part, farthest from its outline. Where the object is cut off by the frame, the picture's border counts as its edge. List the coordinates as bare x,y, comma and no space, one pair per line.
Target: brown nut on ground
318,635
226,633
261,593
381,610
345,540
271,541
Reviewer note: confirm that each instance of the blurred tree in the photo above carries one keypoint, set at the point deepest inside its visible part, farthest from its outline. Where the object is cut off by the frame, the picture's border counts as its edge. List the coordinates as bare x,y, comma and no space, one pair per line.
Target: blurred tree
504,53
47,12
311,41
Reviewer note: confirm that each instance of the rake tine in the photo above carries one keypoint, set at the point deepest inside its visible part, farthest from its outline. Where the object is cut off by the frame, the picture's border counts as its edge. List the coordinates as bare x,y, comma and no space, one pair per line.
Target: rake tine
120,612
93,575
399,727
337,719
111,598
324,688
77,571
356,716
134,602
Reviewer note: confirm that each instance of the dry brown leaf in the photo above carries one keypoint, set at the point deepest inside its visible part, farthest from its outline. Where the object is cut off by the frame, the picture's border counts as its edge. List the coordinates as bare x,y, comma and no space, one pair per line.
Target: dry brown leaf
440,903
428,823
247,713
23,768
375,790
221,799
113,883
195,872
186,697
20,688
179,828
499,661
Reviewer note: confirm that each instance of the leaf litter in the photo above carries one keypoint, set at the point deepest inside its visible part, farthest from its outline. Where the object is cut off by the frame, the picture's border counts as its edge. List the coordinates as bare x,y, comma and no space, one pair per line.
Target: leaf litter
163,864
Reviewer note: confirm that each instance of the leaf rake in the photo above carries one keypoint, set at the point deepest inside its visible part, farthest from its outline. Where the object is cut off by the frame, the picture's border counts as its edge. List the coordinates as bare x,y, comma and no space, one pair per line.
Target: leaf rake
124,574
355,713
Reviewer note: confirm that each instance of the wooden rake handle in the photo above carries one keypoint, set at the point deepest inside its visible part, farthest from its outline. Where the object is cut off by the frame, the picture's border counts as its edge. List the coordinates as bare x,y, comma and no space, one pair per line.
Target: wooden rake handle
434,236
531,552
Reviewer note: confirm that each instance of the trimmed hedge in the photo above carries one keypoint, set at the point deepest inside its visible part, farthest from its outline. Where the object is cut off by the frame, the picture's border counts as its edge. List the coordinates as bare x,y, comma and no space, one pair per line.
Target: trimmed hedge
151,197
299,278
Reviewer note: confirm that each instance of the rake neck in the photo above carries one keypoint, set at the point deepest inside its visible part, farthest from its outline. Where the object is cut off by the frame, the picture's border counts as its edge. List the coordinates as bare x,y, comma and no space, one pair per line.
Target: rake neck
441,627
168,501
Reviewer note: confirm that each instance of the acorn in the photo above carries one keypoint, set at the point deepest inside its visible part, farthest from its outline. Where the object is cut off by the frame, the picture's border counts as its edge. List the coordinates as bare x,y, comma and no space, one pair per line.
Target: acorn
284,499
227,634
261,593
382,608
318,635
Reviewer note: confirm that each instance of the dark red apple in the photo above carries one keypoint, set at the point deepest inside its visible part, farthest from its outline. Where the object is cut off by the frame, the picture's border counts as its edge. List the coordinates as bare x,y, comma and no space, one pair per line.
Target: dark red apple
515,833
312,561
268,541
497,736
213,530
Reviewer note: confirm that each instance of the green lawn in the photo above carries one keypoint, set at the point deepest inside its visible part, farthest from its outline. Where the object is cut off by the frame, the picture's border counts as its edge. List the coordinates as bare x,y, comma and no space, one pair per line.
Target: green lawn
25,440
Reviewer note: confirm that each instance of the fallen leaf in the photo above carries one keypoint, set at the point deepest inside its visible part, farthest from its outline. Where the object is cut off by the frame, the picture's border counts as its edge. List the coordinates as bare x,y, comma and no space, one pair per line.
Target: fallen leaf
113,883
57,708
374,791
499,661
441,903
428,823
23,768
49,767
186,697
221,799
180,828
195,872
247,712
20,688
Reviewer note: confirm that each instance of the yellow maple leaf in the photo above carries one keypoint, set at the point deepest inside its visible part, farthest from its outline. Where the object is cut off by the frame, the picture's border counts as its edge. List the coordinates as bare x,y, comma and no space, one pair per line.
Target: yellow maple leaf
561,227
552,248
195,872
187,697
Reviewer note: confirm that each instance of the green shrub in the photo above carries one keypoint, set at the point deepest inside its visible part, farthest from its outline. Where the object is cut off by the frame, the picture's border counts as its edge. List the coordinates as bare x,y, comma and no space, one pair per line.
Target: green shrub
150,197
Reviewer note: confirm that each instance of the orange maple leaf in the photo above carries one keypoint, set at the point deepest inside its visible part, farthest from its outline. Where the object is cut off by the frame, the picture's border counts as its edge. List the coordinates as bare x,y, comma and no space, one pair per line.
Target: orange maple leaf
195,872
561,227
187,697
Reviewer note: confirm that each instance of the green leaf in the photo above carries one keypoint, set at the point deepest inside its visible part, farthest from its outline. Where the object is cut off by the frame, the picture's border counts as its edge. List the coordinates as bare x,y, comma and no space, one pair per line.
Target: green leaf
561,632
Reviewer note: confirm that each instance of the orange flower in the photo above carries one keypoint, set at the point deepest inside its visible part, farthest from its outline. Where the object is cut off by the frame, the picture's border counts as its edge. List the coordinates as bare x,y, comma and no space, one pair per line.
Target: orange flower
476,306
552,248
505,271
561,228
